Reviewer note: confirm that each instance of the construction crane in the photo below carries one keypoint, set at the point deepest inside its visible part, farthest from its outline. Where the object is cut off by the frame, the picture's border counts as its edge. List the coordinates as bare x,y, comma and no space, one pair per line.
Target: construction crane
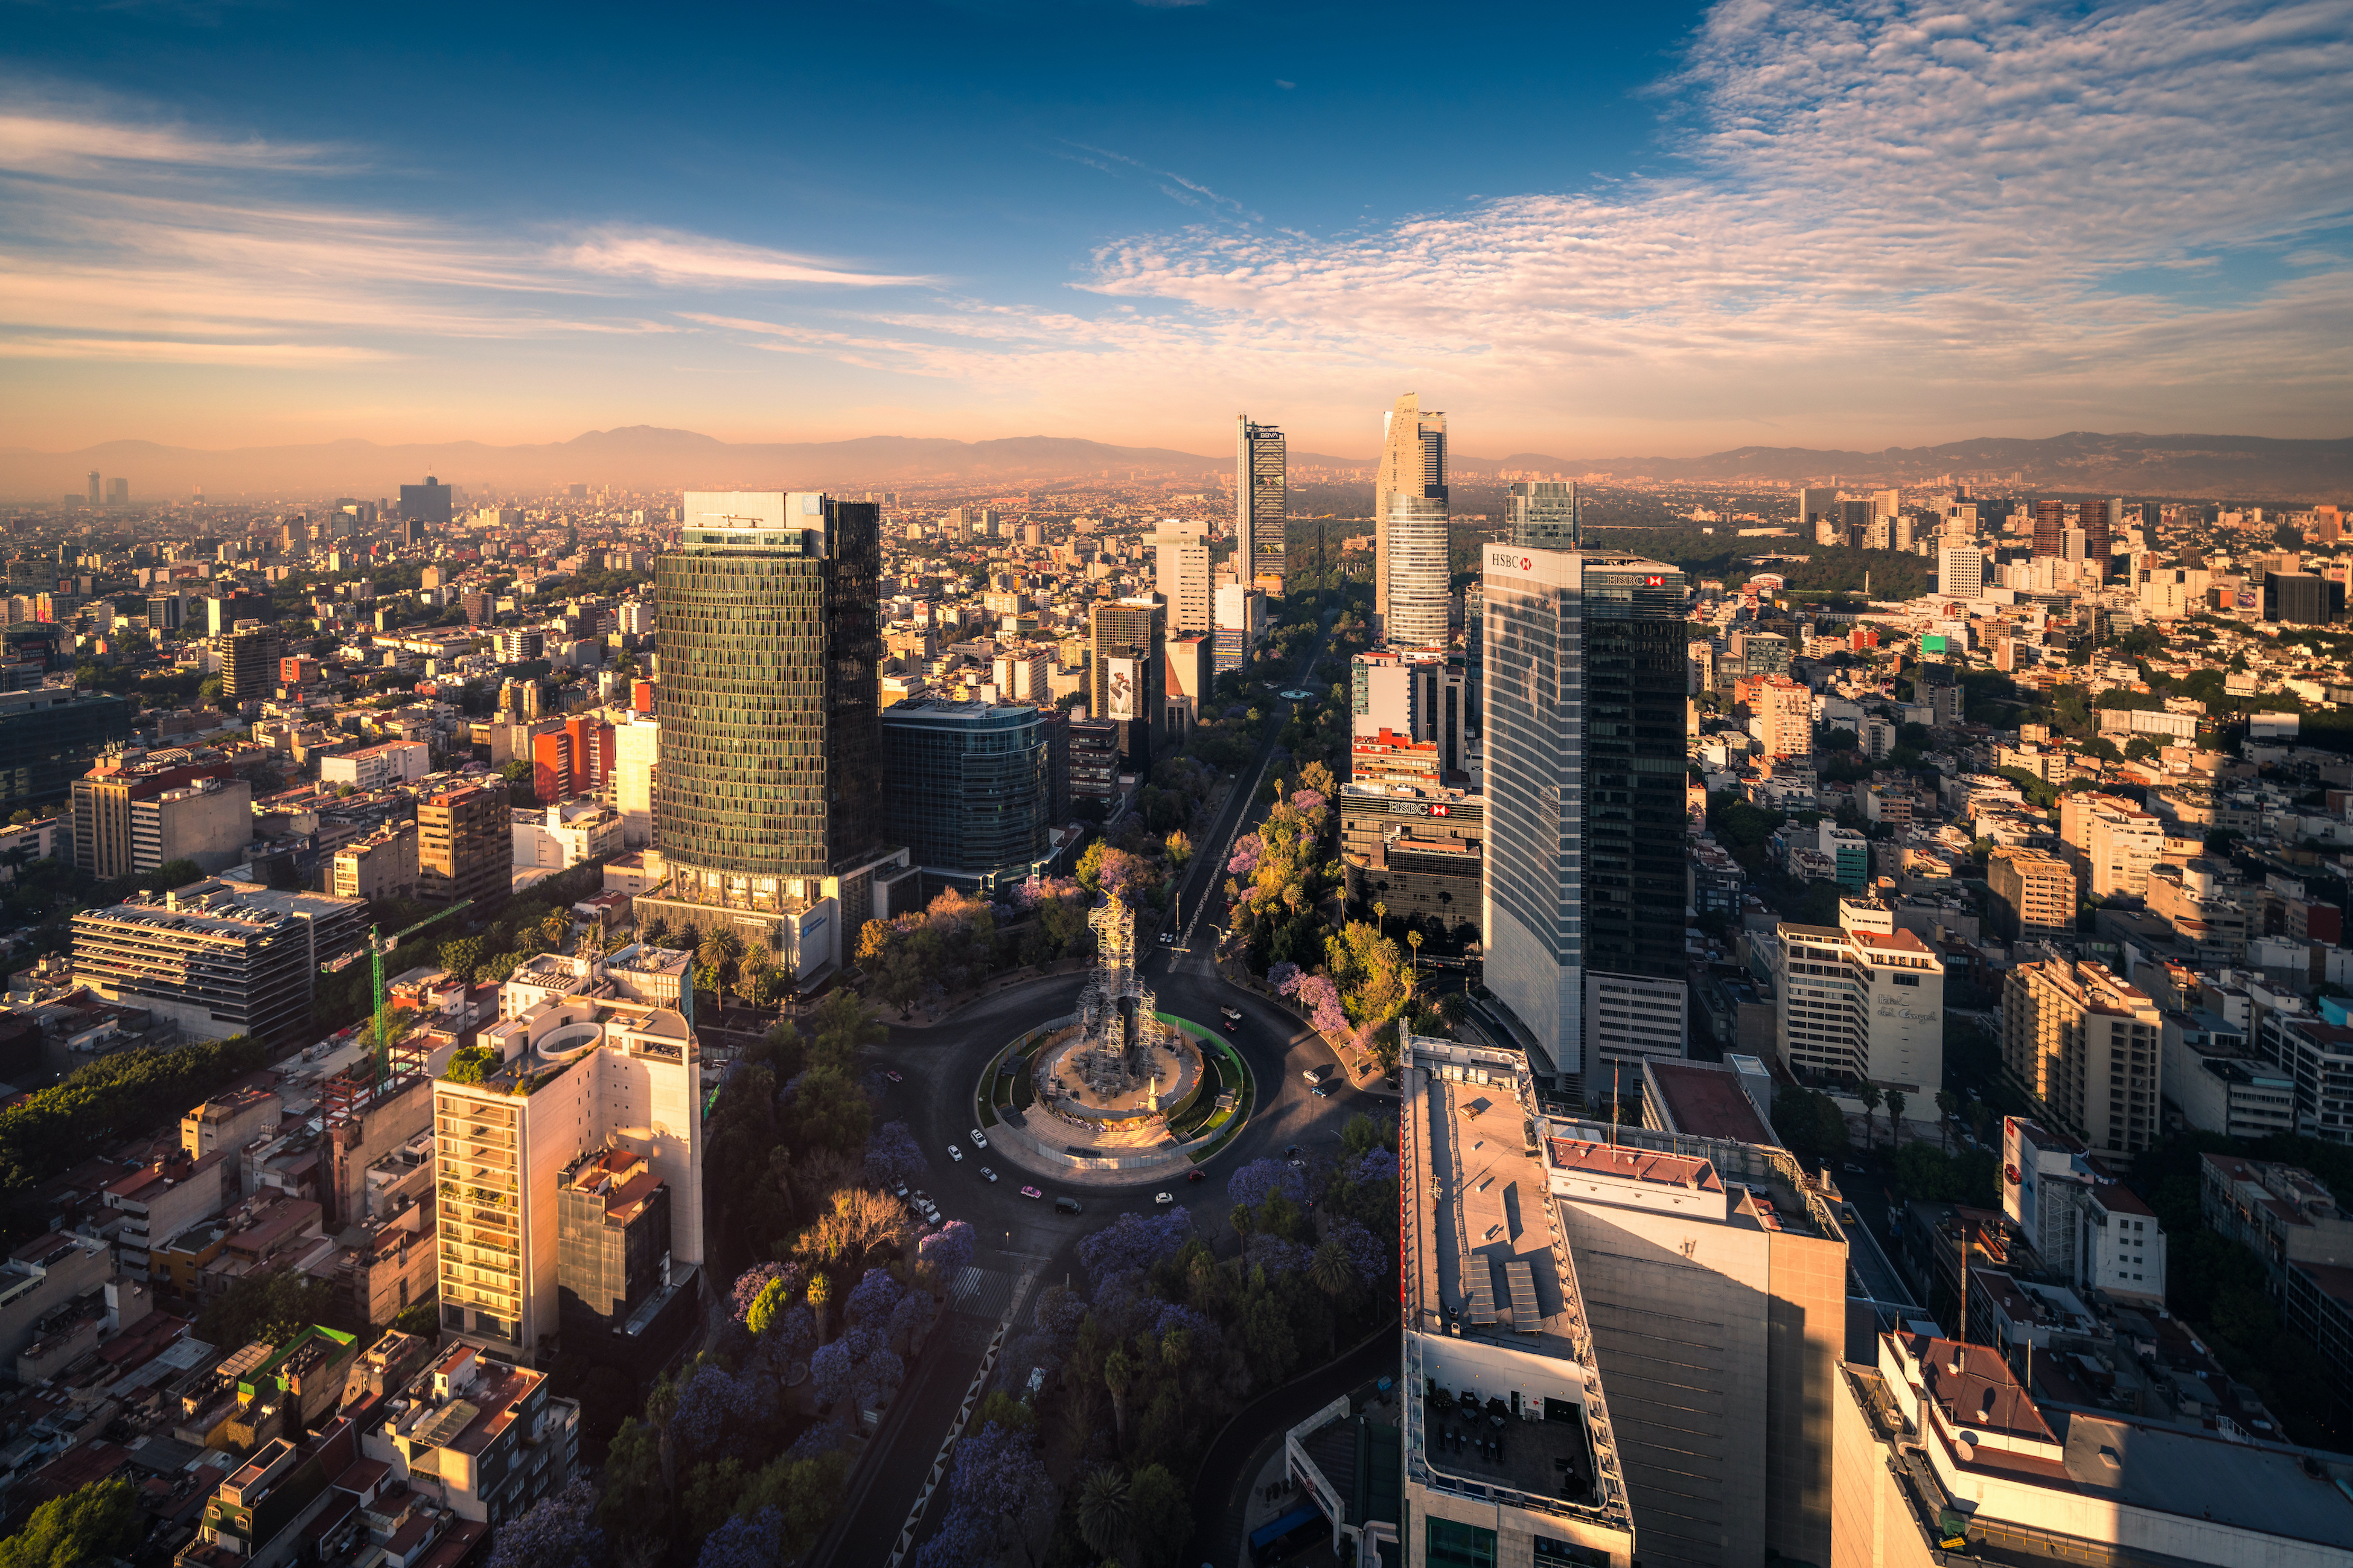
378,946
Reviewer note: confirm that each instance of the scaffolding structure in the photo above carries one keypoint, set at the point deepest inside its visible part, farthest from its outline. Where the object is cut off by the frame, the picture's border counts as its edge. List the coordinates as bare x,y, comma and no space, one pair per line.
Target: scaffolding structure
1121,1037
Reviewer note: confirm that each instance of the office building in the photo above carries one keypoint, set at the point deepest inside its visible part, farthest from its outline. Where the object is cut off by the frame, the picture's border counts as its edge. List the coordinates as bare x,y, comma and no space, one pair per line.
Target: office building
1942,1456
1550,1484
465,848
1093,767
2087,1049
94,492
613,1240
1181,571
1420,598
1861,1002
248,665
636,768
1261,507
1124,681
2319,1057
1412,463
564,833
519,645
163,612
966,790
2050,530
2302,598
1418,849
1585,767
2094,518
1541,514
1960,571
122,824
379,766
381,866
2078,1220
568,1076
215,962
2034,894
480,1433
428,503
769,805
1241,624
2110,843
1190,668
51,736
1668,1323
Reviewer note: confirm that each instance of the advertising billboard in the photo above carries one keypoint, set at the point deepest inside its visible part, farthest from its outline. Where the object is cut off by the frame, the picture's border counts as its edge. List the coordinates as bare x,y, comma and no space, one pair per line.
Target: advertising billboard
1121,679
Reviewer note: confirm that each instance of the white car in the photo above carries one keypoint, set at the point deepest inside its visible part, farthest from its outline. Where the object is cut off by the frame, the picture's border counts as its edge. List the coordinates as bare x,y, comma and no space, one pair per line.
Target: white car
956,1153
1164,1198
989,1173
979,1139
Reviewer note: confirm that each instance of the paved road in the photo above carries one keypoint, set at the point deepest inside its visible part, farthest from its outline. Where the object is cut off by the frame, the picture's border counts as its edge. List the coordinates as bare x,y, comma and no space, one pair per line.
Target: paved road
1022,1241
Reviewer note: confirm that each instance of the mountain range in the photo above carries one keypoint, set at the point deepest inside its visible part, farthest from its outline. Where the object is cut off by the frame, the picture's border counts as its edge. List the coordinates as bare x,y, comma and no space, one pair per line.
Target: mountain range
646,457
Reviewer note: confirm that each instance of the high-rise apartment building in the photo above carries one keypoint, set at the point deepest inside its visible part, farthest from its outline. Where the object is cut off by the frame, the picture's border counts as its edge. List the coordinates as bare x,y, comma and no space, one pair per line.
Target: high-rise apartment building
381,866
1124,681
1262,506
2032,894
2110,843
769,806
1960,571
1541,514
465,842
1583,714
965,788
1860,1001
248,665
567,1077
2087,1048
1181,573
1412,463
636,763
113,835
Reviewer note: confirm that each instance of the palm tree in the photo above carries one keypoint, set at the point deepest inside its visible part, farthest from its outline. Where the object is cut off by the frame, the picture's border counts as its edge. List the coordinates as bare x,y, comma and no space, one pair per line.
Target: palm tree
1331,1273
1103,1514
1413,940
1895,1117
1240,1220
1948,1105
1119,1373
1869,1095
1381,913
719,945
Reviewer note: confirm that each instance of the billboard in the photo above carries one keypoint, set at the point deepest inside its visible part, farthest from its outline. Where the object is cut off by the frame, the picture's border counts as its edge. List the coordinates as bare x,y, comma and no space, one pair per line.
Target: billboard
1121,679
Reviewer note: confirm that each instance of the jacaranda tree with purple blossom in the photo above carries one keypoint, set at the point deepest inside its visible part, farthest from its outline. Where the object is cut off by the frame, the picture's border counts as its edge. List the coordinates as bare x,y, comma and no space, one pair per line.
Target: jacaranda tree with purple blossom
1134,1242
892,1155
559,1531
1261,1179
751,1281
948,1250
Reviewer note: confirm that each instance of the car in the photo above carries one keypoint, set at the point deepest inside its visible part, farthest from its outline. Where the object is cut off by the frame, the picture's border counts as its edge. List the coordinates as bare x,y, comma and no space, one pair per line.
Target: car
893,1075
1855,1168
1232,1015
979,1139
1066,1206
1299,1164
899,1189
1320,1093
955,1152
1031,1193
1164,1198
1196,1175
1168,939
988,1173
1291,1151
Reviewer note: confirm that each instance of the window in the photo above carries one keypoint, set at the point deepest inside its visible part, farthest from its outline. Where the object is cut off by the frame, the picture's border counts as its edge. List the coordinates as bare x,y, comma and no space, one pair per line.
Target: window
1453,1545
1906,979
1551,1550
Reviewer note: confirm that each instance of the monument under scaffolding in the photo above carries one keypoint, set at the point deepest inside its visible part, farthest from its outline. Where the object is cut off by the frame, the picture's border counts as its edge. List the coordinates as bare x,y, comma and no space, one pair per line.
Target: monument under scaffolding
1121,1040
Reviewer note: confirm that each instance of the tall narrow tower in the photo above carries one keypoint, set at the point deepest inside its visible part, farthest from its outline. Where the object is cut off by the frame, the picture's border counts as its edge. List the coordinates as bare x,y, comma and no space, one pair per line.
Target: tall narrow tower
1412,465
1261,505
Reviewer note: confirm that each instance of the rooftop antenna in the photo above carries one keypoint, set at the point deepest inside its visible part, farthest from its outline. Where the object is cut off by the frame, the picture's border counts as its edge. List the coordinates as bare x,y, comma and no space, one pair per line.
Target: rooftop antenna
1613,1104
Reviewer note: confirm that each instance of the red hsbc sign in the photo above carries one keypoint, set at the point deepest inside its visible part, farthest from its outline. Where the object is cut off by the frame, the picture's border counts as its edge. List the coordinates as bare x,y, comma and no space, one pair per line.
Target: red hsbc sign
1437,810
1654,582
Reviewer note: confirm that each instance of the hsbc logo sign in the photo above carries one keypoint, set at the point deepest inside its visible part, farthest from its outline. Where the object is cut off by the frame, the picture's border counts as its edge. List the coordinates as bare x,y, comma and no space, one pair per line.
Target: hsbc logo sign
1440,810
1509,561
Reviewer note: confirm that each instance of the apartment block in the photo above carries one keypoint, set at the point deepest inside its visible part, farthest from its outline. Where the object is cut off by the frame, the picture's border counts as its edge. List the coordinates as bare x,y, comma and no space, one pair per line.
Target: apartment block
2034,894
1862,1002
2087,1048
465,842
483,1437
381,866
2111,844
122,825
378,767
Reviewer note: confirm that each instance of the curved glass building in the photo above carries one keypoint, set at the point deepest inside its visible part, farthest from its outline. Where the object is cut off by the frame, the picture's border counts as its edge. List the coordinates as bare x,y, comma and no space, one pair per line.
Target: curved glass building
1418,582
965,788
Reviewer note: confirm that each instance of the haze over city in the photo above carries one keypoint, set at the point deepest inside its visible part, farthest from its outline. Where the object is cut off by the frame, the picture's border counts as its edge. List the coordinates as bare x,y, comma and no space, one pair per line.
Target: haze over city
1662,229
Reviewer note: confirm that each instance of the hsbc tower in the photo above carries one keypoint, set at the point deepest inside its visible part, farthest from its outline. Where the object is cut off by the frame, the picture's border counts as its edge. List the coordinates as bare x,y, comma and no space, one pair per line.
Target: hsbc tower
1583,901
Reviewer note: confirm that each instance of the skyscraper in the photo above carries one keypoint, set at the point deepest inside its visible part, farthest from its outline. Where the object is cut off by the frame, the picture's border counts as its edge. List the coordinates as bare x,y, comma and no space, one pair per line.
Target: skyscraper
1181,573
429,502
2096,523
769,802
1412,462
1419,600
1261,504
1541,514
1583,715
1125,682
94,488
2050,527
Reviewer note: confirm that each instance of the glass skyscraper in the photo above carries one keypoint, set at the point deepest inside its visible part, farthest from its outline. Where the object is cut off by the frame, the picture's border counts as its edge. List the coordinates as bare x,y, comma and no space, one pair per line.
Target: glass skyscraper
1261,504
1419,598
1583,717
966,787
1412,463
769,800
1541,514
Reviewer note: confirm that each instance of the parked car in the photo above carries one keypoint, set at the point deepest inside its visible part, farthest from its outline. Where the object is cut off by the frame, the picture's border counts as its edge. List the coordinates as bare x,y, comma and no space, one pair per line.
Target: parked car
898,1189
893,1075
955,1152
990,1175
1320,1093
979,1139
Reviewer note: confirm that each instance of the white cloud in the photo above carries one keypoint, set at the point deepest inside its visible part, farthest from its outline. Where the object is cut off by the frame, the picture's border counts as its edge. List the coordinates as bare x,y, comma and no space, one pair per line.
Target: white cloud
668,257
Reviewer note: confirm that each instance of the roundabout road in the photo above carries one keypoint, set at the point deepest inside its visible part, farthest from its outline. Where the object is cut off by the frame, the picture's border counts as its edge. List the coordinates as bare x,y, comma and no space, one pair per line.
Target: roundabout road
1023,1244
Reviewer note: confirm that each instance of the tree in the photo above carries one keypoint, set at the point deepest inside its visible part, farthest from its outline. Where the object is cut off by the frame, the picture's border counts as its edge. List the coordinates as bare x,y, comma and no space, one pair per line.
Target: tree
999,1478
1119,1375
1102,1512
856,1226
1948,1105
559,1531
1894,1116
1162,1519
274,1306
1870,1096
635,1504
87,1525
947,1250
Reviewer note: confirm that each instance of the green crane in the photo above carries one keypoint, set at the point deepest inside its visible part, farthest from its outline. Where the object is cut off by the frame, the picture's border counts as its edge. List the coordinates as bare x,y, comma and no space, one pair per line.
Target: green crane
378,946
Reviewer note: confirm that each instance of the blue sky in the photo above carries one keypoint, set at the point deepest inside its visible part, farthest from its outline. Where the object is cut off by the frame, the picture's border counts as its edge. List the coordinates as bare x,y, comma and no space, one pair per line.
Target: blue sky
1585,231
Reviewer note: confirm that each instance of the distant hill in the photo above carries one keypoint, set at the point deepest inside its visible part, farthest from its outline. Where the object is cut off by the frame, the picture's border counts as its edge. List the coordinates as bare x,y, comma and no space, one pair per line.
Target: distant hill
646,457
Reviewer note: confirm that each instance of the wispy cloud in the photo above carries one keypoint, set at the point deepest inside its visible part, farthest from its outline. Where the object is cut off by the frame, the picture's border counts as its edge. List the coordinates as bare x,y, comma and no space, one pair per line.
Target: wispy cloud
62,140
667,255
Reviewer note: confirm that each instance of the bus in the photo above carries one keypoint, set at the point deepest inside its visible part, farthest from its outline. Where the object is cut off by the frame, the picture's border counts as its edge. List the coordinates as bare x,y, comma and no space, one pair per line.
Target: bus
1304,1529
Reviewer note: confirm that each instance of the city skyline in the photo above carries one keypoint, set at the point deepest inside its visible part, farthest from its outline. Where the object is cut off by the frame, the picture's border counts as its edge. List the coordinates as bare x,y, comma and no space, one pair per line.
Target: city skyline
1716,227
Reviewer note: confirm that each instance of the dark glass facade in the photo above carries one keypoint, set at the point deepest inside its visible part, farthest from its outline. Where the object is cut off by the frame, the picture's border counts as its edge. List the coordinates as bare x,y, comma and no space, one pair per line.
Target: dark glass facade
1635,638
966,785
1128,684
770,701
612,1235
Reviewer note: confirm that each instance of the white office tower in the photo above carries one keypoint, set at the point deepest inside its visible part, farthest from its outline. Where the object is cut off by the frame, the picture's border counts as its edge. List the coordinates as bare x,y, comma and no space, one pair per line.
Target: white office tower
1181,573
1241,623
1261,504
1413,463
1960,571
1420,600
1585,717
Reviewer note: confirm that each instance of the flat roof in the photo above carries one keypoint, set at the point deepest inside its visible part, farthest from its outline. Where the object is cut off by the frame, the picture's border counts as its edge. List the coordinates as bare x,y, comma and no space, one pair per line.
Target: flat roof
1633,1164
1482,1207
1708,1101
